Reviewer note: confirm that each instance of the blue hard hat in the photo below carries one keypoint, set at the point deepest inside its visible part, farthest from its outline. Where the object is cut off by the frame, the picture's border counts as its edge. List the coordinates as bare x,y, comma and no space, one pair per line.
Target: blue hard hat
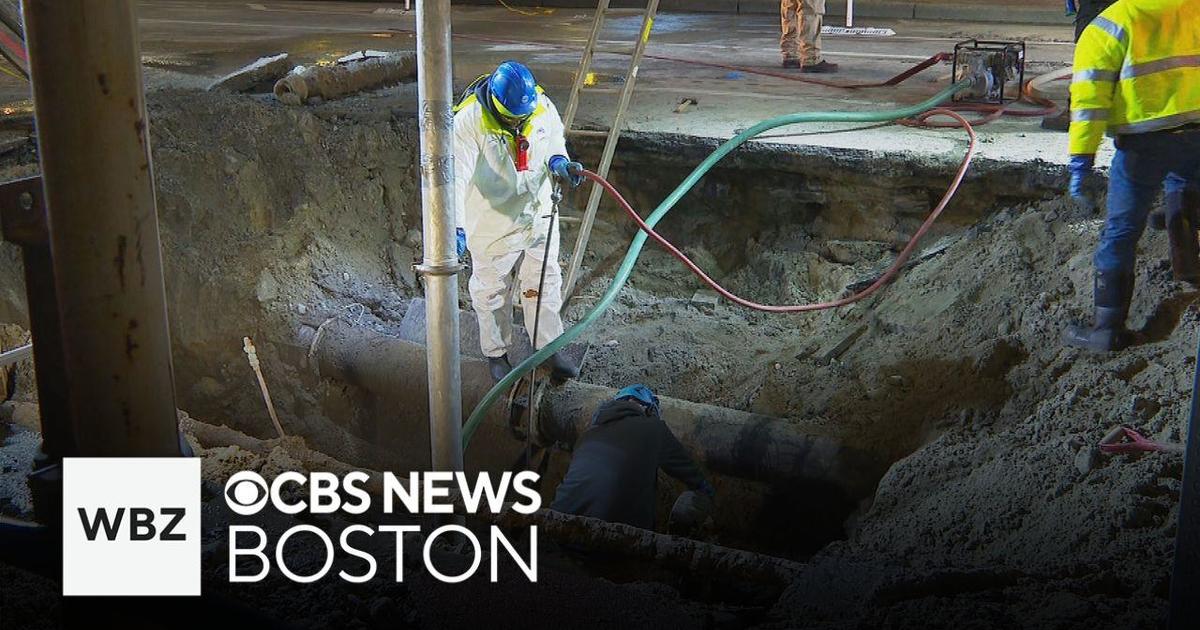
513,89
639,393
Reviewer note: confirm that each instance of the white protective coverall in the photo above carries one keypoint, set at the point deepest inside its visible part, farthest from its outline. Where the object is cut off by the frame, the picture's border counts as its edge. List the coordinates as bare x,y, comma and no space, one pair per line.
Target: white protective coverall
506,215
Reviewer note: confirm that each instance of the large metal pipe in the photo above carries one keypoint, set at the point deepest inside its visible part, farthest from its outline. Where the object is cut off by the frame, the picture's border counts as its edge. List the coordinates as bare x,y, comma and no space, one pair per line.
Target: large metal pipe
729,442
440,266
99,184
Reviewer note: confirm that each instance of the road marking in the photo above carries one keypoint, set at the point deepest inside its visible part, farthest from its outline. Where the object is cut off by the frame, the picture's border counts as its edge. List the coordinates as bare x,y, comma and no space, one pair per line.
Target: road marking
259,25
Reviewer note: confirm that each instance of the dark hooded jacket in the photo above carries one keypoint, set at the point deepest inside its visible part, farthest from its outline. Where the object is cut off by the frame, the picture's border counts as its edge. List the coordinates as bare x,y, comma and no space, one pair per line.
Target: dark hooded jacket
614,471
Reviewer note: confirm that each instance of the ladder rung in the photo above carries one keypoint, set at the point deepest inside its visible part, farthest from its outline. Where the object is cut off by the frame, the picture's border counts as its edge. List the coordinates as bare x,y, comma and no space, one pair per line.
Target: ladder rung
614,50
588,133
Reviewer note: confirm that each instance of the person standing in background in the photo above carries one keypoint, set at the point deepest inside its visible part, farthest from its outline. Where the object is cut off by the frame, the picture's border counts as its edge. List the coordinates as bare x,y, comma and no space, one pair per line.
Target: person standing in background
801,39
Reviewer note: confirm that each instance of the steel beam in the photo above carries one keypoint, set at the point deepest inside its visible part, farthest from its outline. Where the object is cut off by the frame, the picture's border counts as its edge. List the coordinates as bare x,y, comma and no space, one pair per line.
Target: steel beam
23,223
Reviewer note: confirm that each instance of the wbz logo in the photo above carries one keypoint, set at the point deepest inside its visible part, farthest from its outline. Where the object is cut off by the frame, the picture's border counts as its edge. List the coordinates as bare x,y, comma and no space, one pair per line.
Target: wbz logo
141,523
131,526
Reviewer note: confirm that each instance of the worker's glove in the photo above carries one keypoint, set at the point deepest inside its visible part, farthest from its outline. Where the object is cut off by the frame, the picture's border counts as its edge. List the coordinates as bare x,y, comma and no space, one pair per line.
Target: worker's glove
567,170
1081,172
691,514
460,241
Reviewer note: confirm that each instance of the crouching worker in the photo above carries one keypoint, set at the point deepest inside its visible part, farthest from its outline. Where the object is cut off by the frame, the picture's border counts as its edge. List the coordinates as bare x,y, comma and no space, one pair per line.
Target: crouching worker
614,470
508,143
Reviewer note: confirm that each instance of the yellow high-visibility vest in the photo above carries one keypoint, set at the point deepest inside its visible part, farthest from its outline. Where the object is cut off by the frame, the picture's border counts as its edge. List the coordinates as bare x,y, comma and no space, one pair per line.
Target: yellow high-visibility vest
1137,69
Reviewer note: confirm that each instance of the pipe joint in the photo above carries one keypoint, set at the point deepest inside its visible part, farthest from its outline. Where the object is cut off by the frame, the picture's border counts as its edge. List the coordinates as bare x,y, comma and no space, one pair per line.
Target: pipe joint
439,270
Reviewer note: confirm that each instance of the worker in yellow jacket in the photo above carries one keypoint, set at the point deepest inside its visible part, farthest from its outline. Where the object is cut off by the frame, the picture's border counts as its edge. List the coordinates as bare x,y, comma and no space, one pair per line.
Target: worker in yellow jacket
1137,78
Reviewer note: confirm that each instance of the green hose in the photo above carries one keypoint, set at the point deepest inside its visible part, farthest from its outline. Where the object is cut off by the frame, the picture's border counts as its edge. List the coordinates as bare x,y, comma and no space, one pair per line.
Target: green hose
635,248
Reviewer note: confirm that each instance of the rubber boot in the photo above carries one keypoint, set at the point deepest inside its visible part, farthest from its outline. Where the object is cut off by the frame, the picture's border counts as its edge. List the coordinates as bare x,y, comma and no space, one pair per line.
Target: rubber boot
562,368
1181,233
499,367
821,67
1113,293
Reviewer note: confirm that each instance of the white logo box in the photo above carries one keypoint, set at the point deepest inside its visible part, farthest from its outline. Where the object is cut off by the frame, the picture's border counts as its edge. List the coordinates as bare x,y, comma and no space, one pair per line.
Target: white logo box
123,566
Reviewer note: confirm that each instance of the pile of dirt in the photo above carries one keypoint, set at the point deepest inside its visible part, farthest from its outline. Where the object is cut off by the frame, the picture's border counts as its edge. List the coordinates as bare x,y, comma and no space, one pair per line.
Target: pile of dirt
1000,508
1007,514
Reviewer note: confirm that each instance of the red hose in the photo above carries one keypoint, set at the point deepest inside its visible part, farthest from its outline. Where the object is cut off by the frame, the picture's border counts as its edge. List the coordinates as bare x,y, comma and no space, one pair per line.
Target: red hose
992,112
896,80
883,280
1045,107
892,82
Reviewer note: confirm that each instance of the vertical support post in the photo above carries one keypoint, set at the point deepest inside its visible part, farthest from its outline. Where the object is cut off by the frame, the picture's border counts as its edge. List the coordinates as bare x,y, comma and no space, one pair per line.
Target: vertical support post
440,265
849,13
610,147
23,223
585,65
95,157
1185,576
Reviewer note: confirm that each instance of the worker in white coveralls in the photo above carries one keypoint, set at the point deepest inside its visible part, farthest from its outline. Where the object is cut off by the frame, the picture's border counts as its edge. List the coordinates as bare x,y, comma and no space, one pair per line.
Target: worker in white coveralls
508,143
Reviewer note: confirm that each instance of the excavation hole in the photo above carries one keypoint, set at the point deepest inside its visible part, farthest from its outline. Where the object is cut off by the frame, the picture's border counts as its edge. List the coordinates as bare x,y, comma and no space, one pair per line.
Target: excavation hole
255,249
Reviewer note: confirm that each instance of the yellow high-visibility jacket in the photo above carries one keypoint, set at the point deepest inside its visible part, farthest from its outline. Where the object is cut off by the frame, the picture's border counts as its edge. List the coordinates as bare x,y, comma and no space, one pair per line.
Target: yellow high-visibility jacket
1137,69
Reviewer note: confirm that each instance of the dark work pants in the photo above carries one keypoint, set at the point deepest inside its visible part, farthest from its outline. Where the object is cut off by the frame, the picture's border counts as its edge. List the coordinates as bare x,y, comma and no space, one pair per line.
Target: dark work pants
1143,166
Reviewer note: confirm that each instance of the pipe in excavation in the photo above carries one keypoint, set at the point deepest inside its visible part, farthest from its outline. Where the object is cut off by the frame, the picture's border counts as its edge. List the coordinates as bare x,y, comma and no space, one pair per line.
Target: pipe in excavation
333,81
735,443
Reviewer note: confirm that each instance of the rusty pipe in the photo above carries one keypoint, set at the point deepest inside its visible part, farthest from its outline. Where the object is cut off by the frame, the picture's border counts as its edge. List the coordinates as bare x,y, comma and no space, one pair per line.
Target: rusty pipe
735,443
95,158
333,81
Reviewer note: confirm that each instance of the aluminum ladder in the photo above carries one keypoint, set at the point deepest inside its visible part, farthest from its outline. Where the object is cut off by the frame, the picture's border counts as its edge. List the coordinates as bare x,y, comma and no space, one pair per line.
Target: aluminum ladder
614,133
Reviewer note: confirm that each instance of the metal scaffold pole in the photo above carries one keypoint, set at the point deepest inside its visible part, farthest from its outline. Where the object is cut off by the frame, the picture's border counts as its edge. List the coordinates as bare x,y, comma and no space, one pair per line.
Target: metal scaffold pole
441,265
93,141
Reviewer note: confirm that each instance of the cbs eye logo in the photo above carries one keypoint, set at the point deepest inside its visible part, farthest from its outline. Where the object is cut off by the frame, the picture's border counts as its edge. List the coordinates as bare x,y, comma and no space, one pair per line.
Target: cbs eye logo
246,493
